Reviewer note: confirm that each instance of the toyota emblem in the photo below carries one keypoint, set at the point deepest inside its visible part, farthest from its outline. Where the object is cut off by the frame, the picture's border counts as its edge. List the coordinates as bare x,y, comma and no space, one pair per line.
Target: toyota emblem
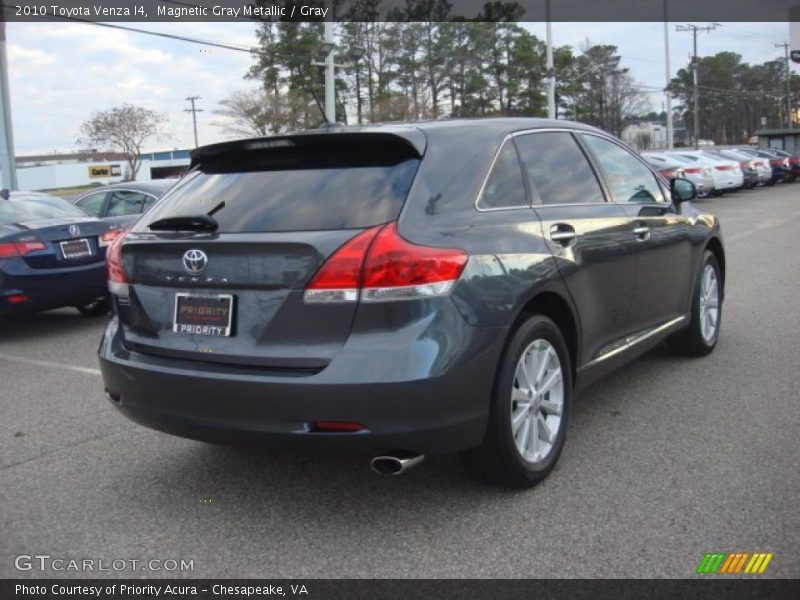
195,261
74,230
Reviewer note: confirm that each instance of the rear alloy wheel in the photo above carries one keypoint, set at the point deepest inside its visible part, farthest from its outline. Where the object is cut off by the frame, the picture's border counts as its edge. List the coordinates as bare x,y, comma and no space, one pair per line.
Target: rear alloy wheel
700,337
95,308
530,409
537,401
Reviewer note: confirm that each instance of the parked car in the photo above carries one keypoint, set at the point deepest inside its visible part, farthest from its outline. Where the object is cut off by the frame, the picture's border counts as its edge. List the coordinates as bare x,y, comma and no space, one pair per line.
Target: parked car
51,255
123,203
727,174
784,160
755,172
699,175
781,168
408,288
794,159
666,168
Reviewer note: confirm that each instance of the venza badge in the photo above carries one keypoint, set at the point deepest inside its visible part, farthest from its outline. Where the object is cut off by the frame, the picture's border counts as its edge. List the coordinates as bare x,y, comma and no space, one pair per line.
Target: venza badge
195,261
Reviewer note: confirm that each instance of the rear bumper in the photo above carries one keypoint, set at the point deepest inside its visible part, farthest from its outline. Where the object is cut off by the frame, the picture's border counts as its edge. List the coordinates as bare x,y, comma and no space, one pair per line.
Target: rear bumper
403,398
46,289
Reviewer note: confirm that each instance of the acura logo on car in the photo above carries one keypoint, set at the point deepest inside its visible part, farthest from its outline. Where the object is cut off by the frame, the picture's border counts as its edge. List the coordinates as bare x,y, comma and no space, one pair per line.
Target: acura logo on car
74,230
195,261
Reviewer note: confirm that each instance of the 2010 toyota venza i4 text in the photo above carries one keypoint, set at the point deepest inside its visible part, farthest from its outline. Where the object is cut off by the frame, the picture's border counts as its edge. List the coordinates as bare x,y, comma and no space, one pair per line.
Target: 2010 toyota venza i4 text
412,289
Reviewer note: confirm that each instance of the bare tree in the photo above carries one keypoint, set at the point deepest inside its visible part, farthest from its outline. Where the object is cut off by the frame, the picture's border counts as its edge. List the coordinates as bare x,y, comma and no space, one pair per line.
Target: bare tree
259,113
124,129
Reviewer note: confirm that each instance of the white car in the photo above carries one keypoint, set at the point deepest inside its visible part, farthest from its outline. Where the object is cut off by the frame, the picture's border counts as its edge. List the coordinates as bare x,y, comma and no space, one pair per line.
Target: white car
699,175
727,174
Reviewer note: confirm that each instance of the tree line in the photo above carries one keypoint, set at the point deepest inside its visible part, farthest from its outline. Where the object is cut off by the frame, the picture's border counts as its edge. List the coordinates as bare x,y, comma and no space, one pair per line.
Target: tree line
421,66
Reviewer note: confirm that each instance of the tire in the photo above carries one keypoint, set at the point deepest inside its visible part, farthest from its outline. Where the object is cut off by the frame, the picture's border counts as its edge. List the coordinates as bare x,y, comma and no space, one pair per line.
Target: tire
95,308
498,460
695,339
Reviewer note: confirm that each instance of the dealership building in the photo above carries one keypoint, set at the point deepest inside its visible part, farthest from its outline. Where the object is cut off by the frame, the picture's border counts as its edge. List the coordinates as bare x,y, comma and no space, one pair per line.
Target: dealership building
55,171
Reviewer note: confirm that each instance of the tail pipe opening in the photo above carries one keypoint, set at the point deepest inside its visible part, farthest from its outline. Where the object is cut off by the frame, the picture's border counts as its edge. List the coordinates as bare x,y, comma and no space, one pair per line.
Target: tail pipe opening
396,463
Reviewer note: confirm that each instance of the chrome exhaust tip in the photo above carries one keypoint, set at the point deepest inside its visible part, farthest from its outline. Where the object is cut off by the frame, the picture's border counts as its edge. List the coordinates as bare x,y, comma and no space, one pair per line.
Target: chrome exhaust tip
395,465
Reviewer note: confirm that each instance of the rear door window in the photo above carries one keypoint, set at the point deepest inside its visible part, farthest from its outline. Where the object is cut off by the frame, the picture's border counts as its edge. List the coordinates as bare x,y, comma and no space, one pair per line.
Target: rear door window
334,187
558,171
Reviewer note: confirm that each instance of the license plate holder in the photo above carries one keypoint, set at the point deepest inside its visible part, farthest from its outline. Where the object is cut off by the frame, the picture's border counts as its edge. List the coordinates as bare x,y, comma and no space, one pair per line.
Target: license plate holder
203,314
75,248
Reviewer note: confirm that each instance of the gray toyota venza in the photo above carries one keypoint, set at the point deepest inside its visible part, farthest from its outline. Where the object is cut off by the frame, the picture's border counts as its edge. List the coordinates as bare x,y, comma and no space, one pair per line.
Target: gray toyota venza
407,289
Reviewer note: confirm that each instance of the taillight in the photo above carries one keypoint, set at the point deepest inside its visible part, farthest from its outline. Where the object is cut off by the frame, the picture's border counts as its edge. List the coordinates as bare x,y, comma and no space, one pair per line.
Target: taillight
396,269
14,249
694,170
108,237
723,167
117,278
339,279
378,265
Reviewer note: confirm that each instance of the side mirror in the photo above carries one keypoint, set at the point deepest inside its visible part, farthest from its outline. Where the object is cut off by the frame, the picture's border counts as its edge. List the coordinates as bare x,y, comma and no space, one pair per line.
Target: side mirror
682,190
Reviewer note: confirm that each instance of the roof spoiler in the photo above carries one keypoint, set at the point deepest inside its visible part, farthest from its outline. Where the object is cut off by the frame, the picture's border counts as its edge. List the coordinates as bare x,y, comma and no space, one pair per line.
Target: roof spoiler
413,138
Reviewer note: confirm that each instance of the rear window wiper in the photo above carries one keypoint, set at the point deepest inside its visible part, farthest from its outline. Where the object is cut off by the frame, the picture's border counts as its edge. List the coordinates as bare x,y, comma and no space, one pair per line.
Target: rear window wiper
185,223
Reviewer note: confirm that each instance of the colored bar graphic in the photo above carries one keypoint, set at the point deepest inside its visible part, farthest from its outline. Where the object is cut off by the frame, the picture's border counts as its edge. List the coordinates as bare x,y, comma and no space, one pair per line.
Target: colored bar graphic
732,563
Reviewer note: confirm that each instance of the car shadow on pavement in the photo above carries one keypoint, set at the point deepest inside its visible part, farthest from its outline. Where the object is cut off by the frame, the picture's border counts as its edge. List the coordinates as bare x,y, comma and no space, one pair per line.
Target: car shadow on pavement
45,324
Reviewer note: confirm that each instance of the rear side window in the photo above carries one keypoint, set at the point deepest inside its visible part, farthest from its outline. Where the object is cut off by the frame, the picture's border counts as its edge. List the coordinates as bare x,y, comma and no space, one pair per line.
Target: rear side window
336,186
125,203
504,187
557,169
93,203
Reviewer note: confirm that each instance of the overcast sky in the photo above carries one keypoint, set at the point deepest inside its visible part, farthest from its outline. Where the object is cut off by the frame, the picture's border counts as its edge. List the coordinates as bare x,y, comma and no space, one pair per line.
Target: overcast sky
62,72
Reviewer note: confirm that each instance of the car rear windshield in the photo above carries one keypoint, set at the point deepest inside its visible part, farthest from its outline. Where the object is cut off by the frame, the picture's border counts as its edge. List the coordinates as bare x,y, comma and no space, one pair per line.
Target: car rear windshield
34,208
342,186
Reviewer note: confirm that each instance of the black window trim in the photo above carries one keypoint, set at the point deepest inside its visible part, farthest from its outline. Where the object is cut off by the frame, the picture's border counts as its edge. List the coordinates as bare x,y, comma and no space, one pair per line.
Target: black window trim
598,173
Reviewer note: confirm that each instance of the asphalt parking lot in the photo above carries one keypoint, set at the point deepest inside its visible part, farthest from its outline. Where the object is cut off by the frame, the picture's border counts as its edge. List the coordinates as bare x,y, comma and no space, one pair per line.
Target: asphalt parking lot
666,460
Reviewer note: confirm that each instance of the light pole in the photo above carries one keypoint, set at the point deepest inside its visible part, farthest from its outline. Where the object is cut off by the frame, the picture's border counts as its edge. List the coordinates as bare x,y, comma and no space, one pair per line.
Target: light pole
330,75
551,78
7,166
327,49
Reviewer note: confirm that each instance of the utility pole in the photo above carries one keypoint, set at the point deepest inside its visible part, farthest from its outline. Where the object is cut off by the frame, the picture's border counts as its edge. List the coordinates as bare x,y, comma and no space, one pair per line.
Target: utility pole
551,75
7,166
667,89
694,29
194,112
785,46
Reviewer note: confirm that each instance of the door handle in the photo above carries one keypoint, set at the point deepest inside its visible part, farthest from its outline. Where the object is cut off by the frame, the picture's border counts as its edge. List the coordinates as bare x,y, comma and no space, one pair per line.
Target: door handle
562,234
642,233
